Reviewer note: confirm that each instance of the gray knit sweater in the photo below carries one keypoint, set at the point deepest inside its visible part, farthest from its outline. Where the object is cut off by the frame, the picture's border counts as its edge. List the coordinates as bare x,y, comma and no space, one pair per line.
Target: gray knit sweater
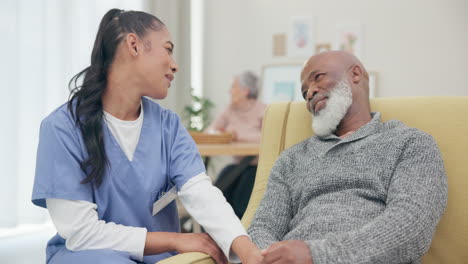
375,196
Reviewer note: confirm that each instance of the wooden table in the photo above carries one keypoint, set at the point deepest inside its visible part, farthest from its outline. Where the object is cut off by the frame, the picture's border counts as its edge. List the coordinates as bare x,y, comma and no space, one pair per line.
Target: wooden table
231,149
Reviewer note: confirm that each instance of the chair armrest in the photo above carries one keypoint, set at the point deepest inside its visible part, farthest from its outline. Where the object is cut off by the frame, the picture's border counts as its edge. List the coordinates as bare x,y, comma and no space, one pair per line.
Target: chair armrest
188,258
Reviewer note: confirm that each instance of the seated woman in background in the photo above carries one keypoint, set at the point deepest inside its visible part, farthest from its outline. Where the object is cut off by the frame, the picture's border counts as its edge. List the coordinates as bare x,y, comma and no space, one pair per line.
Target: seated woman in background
243,119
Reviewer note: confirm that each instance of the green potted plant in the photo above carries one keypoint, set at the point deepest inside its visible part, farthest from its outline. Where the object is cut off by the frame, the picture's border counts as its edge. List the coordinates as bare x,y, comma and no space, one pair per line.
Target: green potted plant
197,113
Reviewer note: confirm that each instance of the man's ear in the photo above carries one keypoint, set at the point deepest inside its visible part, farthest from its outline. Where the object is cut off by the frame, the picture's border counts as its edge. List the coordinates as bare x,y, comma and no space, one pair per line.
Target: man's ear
357,74
132,42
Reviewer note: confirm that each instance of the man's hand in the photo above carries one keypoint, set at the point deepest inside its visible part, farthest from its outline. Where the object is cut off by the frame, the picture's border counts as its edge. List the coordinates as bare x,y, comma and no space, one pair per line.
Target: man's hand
200,242
288,251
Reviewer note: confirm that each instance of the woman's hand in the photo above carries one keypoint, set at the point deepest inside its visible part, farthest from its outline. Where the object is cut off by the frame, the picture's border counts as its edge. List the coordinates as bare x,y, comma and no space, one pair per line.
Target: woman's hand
159,242
253,258
247,251
200,242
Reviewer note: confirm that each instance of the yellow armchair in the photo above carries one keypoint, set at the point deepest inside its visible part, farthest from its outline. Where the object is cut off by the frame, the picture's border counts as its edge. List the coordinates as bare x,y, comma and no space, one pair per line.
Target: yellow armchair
445,118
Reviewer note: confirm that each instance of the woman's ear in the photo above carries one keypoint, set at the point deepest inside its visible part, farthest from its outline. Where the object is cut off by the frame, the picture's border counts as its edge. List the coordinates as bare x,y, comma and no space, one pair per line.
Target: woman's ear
132,42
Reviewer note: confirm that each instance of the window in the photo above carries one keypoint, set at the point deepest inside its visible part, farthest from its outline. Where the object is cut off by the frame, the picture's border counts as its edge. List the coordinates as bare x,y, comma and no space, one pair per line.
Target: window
47,43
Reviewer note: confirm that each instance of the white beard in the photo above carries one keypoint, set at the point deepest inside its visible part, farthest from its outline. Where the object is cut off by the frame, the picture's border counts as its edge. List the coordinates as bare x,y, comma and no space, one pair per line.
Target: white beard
326,121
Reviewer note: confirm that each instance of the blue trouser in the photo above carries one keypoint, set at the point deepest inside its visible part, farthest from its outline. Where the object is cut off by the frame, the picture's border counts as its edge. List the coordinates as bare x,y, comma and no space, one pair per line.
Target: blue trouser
238,193
57,253
101,256
97,256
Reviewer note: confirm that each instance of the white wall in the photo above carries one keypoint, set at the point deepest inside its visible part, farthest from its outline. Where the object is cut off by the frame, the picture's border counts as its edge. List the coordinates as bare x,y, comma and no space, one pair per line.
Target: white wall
8,100
417,47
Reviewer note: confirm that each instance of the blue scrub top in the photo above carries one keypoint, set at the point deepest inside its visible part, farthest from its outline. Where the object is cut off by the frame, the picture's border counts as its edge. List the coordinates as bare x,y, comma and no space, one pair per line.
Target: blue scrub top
166,155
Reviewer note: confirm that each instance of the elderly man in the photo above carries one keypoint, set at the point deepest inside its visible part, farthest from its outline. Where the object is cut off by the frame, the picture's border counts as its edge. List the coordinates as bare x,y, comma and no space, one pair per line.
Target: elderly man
360,190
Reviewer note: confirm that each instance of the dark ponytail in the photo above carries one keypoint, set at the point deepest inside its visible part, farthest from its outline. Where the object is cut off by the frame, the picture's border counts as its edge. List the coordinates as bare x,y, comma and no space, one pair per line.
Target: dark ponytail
85,102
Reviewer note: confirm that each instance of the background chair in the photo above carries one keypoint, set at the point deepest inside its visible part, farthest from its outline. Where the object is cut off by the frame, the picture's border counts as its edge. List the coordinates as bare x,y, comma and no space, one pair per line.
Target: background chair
445,118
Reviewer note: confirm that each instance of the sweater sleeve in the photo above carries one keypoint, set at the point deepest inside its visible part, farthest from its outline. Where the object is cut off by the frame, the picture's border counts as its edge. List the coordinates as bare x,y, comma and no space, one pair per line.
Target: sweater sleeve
274,213
77,222
416,199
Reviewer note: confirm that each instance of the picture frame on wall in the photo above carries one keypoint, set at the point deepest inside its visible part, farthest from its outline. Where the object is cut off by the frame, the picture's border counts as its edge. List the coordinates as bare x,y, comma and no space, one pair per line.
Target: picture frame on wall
349,38
281,83
301,37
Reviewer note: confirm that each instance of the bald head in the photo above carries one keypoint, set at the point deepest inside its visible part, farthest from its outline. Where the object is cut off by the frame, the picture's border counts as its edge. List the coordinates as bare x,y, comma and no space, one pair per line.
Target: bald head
338,60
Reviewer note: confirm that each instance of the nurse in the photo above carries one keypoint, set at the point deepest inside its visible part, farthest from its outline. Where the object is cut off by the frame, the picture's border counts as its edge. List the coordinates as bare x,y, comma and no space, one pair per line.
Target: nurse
110,161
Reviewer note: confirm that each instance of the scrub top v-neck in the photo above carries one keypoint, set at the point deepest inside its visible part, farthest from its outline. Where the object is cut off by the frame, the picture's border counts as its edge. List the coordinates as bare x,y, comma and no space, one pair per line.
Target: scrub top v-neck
126,133
165,155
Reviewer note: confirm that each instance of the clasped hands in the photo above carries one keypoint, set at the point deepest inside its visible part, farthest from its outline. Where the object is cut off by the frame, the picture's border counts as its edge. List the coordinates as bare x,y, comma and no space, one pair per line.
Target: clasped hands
288,251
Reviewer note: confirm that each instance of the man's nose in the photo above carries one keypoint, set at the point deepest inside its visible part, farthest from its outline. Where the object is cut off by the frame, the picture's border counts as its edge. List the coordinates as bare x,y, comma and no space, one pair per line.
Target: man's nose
311,92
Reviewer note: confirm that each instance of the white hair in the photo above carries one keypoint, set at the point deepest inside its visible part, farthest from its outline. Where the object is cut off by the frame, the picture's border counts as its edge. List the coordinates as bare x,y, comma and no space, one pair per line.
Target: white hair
326,121
250,81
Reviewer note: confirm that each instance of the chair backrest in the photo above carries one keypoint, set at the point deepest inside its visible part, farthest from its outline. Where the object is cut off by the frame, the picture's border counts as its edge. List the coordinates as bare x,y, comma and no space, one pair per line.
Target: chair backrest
445,118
